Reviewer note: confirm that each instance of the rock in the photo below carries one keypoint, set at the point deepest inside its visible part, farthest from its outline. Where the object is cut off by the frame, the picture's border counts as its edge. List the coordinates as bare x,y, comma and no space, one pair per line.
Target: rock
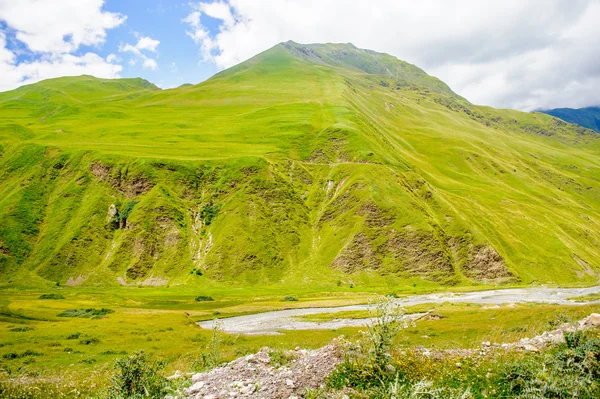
556,339
175,376
592,320
530,348
248,389
197,387
263,357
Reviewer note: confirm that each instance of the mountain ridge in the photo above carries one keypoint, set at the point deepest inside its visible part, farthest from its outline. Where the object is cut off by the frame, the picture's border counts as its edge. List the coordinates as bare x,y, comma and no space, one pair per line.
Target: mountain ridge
288,170
588,117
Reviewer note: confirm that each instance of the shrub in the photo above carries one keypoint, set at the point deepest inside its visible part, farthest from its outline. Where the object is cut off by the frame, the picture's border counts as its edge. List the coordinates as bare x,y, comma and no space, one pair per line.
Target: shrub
51,296
136,378
209,212
89,341
204,298
280,358
22,329
290,299
74,335
85,313
369,363
124,214
14,355
111,352
212,357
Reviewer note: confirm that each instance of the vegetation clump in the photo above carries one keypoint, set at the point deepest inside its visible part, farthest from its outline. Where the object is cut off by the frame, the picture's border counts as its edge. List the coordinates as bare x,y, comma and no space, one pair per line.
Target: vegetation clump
204,298
570,370
290,299
369,363
51,296
209,212
86,313
22,329
136,377
15,355
74,335
89,341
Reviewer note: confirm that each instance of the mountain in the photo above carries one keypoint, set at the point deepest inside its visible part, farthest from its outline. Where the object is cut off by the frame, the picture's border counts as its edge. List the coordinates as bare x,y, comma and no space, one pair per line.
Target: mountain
587,117
307,165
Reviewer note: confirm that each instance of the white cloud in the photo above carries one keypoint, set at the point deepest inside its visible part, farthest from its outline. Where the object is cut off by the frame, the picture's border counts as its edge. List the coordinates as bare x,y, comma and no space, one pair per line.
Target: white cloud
144,43
52,31
51,66
112,58
147,43
58,27
506,53
149,63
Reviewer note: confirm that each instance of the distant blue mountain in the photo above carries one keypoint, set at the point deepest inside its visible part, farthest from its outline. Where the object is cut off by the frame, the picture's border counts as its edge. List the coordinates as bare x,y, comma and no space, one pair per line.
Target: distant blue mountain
587,117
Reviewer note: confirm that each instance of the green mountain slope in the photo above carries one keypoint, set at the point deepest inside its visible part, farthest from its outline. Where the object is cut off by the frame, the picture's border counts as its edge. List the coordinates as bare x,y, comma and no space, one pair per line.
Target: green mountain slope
587,117
318,164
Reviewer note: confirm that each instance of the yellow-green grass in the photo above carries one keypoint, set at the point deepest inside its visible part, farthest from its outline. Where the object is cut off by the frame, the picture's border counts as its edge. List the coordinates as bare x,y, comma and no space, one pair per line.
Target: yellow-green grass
586,298
162,324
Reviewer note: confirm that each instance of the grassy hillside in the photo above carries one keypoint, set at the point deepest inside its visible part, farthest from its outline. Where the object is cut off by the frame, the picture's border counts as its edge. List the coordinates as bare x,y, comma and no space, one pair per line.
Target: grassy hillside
586,117
317,165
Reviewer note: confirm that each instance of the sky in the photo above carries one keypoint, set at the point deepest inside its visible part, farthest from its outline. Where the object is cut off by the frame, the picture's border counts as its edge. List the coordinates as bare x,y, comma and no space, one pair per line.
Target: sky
526,55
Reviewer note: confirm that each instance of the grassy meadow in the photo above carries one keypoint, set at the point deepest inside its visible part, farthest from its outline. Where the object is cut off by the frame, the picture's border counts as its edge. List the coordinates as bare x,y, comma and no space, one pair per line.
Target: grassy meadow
76,354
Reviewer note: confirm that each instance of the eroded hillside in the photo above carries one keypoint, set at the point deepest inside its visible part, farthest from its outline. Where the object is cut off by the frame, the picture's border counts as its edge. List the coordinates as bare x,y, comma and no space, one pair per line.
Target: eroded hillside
321,164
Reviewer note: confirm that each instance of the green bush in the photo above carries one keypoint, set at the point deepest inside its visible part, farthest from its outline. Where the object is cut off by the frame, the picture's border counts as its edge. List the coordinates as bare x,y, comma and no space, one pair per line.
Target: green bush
22,329
136,378
74,335
85,313
89,341
14,355
204,298
209,212
290,299
51,296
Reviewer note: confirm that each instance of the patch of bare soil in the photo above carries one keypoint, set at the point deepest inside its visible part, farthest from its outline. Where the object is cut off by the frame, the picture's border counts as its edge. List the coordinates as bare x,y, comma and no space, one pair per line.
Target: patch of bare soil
485,263
419,253
100,171
375,217
357,255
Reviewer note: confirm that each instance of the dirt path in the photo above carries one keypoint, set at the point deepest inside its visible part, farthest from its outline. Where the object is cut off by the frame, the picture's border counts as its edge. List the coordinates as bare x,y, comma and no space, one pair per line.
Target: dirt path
273,322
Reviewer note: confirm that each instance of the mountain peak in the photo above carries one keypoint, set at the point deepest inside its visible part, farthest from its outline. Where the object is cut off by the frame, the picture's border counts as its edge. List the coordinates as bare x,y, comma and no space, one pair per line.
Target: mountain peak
348,56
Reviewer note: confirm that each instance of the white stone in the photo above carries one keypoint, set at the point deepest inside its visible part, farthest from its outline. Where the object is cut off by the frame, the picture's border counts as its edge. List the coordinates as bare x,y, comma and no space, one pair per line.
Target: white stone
197,387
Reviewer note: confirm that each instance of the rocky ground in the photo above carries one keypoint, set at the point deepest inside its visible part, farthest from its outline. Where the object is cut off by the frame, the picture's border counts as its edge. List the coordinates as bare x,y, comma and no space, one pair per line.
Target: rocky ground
260,376
264,375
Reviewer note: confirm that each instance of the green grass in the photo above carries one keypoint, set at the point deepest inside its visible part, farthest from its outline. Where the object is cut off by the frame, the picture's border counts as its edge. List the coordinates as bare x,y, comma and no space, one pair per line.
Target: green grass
288,171
161,322
586,298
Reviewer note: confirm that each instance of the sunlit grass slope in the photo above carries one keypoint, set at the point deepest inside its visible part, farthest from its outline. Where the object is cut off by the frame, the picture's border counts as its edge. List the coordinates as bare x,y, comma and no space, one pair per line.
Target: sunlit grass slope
307,165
